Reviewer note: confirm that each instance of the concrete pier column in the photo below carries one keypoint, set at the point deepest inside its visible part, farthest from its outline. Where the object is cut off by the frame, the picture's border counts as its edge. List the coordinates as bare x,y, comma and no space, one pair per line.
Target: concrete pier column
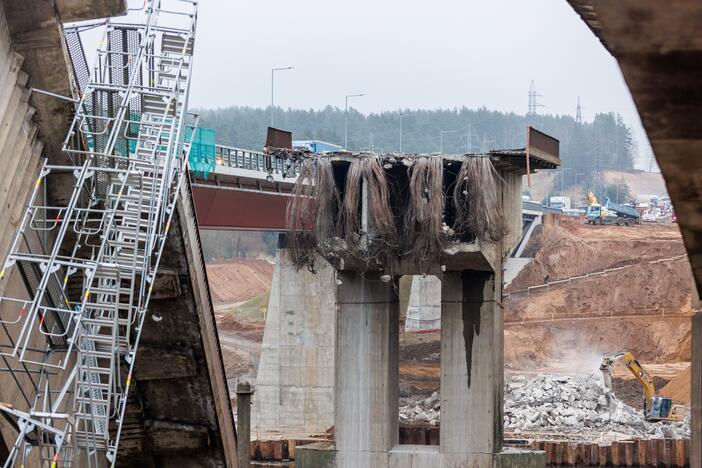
367,370
424,308
471,368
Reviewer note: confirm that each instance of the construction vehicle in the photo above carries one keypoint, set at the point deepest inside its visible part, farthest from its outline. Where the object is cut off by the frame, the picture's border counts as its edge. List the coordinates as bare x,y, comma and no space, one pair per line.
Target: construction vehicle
655,408
610,213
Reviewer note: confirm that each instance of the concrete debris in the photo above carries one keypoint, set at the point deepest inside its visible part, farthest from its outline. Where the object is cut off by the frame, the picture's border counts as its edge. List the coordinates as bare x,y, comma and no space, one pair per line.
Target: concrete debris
422,411
580,404
564,405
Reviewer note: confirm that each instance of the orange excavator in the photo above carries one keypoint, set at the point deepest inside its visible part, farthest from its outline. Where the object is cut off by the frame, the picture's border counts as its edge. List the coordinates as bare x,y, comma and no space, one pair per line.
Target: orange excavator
655,408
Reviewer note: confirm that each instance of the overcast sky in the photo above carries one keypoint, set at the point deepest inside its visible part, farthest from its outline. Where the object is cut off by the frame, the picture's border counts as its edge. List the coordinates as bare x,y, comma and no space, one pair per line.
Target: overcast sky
405,54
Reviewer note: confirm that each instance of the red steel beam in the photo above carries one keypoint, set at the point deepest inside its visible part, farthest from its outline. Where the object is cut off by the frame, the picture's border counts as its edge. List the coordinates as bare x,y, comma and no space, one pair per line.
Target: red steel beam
222,208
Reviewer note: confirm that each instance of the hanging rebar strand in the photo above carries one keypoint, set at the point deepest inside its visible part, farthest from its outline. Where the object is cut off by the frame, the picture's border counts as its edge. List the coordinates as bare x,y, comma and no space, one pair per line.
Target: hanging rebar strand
425,211
378,239
476,199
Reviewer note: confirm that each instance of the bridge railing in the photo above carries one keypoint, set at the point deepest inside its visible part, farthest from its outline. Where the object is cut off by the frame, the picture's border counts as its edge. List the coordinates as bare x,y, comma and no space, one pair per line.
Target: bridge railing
230,156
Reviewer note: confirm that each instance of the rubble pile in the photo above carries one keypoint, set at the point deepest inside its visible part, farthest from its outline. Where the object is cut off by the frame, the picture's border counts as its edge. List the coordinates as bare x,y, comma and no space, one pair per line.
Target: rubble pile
421,411
561,405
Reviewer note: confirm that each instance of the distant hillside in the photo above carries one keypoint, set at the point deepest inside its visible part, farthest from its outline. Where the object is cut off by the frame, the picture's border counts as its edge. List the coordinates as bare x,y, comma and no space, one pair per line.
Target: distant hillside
603,144
639,182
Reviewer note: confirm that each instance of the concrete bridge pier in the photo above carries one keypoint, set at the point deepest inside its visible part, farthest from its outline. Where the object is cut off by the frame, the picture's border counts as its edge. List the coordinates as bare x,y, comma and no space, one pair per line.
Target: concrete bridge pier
367,376
471,368
424,307
295,376
367,362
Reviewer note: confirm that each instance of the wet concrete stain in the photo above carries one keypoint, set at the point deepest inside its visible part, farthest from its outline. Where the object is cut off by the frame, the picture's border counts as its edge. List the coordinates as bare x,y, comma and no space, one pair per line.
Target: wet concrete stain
471,320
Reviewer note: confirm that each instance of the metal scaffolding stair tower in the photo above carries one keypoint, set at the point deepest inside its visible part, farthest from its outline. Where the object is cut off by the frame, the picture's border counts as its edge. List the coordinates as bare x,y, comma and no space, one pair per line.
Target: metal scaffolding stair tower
88,262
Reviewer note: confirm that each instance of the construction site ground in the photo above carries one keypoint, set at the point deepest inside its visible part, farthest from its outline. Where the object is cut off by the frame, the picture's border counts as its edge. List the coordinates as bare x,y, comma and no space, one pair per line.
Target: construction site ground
562,330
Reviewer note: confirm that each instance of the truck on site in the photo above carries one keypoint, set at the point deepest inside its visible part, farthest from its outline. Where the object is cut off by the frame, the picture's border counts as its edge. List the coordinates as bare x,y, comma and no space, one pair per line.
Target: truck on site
610,213
559,202
655,408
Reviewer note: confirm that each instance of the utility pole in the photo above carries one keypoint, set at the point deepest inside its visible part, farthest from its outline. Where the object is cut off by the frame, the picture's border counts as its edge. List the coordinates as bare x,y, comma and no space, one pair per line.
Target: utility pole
273,70
346,119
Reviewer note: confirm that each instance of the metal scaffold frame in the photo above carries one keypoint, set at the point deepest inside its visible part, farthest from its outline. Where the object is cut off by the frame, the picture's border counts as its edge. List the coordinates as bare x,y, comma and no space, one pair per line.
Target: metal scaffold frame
80,271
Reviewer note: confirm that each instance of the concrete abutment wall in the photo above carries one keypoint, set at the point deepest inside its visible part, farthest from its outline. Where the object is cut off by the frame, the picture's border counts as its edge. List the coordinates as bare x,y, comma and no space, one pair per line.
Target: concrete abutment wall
295,378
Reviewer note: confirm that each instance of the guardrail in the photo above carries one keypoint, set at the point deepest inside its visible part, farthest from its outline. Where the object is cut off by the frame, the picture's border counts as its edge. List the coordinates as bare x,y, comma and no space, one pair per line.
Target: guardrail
547,286
230,156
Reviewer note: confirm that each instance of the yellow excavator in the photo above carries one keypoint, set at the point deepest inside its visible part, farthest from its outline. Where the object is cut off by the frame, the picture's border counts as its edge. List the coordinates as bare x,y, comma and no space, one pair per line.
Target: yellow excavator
655,408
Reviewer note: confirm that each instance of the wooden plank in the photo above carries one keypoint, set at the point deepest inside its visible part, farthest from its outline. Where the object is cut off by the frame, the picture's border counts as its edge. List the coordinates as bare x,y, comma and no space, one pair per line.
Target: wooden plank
603,454
587,454
550,448
652,453
665,447
292,444
679,452
628,453
560,449
614,448
266,450
278,450
434,433
572,451
640,449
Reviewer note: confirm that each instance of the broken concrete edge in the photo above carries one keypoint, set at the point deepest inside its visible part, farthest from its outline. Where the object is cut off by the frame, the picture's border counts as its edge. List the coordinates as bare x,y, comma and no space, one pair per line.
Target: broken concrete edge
323,455
210,336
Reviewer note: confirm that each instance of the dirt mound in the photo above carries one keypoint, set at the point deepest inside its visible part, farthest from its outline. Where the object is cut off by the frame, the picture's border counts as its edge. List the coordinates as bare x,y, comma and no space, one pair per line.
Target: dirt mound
238,279
642,289
579,345
572,249
630,391
679,388
644,309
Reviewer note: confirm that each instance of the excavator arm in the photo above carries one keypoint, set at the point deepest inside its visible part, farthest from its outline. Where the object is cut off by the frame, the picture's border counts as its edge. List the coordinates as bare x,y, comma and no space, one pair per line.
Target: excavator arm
591,198
639,373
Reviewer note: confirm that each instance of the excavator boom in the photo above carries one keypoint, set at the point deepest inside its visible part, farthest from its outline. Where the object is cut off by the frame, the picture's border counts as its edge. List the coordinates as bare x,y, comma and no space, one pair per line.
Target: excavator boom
639,373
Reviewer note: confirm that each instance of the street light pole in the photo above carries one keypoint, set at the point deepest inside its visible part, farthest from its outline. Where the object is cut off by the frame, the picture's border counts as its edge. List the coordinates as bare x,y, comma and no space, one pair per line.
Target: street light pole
563,169
273,70
346,119
441,140
401,116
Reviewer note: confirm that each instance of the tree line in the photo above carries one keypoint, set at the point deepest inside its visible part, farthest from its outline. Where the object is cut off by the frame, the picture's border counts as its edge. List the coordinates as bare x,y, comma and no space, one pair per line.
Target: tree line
587,148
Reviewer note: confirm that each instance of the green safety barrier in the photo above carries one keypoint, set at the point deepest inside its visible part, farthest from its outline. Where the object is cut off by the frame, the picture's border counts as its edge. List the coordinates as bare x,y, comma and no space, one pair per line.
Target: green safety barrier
203,158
